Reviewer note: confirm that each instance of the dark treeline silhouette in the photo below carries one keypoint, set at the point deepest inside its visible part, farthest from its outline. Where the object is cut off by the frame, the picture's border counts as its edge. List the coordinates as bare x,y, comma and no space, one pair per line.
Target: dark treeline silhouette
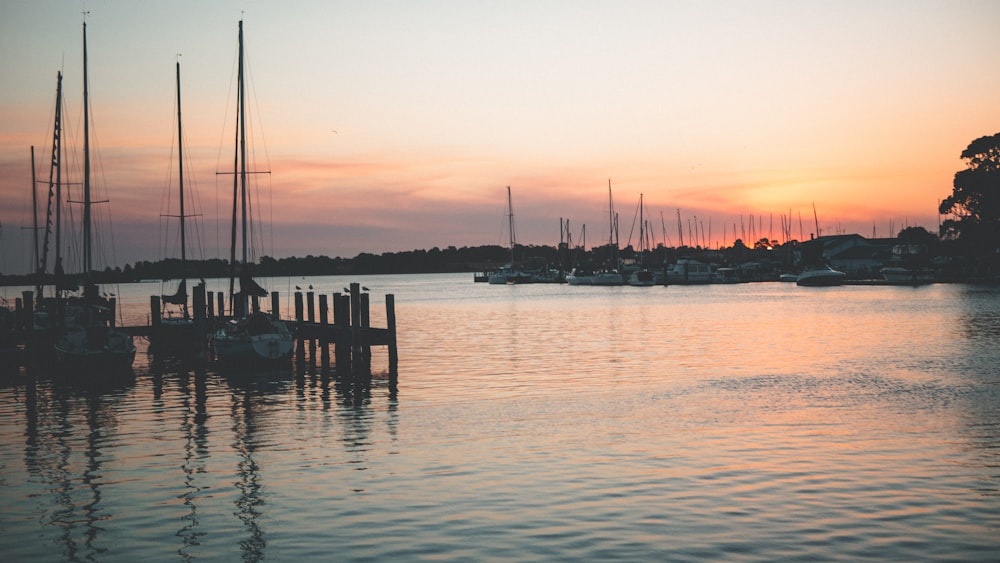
435,260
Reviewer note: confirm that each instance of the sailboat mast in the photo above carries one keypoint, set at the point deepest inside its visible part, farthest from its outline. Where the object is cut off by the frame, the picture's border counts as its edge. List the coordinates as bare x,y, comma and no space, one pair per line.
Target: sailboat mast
241,107
180,171
57,166
87,264
34,209
510,221
611,216
642,231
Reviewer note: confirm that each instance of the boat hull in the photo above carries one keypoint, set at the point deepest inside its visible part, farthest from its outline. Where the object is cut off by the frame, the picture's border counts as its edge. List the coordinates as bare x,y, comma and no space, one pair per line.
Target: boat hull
822,277
95,350
257,338
907,276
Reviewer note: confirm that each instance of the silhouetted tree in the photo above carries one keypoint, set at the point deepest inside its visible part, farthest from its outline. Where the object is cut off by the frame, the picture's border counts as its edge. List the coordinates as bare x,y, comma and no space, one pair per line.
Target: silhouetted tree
917,235
975,200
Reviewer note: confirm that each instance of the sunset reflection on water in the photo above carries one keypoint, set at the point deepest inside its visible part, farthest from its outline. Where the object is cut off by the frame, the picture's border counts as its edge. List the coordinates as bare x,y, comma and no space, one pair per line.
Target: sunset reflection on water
758,421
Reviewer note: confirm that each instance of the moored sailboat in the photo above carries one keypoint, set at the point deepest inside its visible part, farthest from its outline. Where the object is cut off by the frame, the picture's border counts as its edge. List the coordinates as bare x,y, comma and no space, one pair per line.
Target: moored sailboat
510,273
176,333
89,341
251,334
643,276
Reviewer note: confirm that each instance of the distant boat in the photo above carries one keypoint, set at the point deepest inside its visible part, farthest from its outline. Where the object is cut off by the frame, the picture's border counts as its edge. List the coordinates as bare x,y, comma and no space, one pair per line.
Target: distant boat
726,275
688,271
901,275
608,274
821,275
511,273
250,335
642,277
90,343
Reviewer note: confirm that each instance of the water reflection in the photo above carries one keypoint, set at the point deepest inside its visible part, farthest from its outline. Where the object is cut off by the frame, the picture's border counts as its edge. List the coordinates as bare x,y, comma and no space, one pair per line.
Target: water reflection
249,502
69,429
194,418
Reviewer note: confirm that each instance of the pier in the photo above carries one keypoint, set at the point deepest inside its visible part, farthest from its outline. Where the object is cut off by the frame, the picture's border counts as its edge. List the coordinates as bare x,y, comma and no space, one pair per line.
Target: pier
348,332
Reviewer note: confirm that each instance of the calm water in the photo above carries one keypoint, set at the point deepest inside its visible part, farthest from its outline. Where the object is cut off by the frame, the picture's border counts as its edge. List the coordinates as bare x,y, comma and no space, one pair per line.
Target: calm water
750,422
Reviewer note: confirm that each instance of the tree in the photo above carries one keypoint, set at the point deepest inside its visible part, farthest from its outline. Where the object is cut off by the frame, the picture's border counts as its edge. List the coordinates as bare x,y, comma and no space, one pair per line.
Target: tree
975,200
917,235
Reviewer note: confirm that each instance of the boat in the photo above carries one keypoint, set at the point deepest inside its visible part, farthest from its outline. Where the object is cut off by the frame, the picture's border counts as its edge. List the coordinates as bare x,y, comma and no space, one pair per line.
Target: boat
820,275
250,335
89,342
727,275
688,271
788,277
604,274
908,266
901,275
510,273
643,276
176,333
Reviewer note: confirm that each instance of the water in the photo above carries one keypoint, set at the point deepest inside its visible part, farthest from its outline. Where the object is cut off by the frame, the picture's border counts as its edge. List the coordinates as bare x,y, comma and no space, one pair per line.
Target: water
750,422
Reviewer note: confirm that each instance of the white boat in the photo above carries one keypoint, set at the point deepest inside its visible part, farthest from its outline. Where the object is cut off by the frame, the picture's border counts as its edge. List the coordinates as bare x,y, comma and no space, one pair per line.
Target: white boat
687,271
823,275
89,342
250,335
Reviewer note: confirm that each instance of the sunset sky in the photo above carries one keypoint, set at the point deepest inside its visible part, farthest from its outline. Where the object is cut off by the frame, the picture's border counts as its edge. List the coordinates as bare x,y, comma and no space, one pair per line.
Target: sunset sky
397,125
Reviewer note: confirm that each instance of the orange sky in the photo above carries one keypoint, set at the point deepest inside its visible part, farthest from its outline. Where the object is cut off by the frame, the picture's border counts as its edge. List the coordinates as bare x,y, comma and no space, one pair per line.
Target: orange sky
391,126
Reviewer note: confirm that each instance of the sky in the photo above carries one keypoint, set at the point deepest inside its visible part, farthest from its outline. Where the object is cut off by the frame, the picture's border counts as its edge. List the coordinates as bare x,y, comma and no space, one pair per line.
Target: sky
390,126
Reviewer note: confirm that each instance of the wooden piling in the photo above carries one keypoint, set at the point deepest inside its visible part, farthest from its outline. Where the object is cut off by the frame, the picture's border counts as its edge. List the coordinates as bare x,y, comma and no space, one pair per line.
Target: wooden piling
364,325
356,356
198,304
390,319
324,339
222,305
311,318
28,317
155,315
300,345
275,306
341,319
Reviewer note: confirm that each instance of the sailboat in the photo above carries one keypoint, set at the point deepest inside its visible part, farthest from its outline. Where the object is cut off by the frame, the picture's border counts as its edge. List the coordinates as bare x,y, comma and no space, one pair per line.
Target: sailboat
509,273
251,335
91,343
642,277
609,273
177,334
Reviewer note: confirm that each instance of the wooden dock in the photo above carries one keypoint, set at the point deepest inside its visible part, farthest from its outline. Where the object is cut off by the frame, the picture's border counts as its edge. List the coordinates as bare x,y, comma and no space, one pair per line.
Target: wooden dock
349,331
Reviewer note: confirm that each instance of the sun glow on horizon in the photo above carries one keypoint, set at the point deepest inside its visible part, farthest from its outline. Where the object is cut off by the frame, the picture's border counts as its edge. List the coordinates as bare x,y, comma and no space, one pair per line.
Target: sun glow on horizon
394,126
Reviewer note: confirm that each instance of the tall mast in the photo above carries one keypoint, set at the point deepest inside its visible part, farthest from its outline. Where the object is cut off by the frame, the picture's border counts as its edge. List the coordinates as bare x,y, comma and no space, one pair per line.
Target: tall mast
87,264
642,231
611,216
180,167
241,106
55,183
510,220
34,210
236,168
